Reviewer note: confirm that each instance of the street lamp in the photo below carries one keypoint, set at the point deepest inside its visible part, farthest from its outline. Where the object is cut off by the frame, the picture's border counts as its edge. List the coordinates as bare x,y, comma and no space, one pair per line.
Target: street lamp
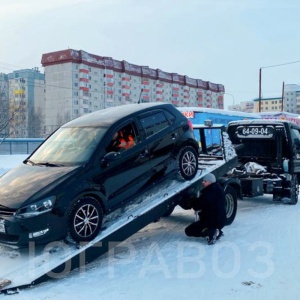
233,99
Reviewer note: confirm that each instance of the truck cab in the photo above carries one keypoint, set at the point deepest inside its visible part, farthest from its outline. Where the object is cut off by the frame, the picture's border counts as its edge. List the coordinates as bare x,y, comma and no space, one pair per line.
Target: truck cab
269,157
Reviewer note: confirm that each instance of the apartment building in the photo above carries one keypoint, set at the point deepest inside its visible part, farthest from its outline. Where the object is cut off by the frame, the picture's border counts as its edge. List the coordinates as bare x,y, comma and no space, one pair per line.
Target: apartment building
292,98
244,106
22,100
268,104
78,83
290,103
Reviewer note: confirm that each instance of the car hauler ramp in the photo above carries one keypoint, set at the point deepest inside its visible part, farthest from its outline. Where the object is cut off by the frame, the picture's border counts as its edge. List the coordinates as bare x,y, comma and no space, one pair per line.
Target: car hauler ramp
35,264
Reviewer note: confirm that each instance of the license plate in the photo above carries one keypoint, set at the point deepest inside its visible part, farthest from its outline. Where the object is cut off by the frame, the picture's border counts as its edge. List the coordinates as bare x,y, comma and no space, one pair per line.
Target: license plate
2,227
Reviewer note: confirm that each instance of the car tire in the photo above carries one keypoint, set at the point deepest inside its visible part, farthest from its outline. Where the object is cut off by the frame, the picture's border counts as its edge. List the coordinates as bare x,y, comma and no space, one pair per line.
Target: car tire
85,220
294,189
230,204
188,163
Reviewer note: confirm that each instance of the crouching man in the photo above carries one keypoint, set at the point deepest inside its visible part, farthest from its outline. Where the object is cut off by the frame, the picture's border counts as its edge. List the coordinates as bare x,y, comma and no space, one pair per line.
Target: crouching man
211,205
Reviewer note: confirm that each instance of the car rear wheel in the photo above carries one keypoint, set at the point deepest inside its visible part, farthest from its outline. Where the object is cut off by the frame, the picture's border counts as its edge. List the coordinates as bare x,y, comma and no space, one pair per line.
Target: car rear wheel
85,219
188,163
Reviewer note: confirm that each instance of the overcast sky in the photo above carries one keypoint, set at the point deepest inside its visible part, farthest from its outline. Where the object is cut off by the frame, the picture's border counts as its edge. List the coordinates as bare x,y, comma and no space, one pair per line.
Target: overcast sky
221,41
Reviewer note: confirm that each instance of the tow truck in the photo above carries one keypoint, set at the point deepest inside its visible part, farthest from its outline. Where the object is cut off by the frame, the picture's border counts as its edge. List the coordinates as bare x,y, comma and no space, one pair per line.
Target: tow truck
28,266
269,158
268,151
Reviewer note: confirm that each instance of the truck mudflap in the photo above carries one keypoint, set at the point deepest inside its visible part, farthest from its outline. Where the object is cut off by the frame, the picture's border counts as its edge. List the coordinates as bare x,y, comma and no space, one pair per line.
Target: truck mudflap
35,264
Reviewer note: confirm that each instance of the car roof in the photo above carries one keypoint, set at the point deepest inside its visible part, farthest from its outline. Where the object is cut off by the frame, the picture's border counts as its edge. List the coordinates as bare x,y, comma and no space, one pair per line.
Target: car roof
108,116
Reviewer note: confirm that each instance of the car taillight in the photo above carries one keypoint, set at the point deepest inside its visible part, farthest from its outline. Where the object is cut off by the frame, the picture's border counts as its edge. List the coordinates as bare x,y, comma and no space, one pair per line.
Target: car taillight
190,125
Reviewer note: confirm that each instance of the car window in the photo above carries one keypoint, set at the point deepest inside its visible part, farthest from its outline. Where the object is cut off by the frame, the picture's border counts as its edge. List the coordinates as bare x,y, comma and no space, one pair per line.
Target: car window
69,146
154,123
123,139
170,116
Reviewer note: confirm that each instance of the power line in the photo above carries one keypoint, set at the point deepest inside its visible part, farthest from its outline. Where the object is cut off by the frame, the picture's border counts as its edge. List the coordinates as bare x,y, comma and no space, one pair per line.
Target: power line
289,63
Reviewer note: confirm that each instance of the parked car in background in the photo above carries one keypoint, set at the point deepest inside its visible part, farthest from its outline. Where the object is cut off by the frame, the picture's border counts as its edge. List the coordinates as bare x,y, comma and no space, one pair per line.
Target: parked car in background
91,166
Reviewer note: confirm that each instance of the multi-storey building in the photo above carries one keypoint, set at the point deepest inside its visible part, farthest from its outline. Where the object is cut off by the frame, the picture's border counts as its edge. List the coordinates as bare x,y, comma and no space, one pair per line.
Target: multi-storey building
244,106
24,95
291,99
268,104
290,103
78,83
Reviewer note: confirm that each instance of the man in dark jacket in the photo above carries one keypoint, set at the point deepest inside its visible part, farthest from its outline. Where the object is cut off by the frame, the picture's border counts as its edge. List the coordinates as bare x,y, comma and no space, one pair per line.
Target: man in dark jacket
211,205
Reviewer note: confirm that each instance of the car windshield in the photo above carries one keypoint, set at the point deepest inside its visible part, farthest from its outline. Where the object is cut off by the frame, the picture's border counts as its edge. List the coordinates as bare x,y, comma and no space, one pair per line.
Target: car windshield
68,146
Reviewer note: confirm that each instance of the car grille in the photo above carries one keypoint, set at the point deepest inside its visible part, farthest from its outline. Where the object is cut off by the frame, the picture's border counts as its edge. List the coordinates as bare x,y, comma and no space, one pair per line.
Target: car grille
8,239
5,211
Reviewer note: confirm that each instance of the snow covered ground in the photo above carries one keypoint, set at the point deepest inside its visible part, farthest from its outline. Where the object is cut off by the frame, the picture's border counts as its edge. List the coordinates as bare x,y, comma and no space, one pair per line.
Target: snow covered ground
256,259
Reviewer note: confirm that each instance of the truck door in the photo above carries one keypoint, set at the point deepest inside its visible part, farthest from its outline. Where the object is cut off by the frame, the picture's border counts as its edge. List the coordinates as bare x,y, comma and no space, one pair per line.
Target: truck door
295,161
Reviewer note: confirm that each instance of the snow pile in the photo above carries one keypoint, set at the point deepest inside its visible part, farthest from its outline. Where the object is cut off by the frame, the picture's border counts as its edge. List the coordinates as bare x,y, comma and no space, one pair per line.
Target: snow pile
10,161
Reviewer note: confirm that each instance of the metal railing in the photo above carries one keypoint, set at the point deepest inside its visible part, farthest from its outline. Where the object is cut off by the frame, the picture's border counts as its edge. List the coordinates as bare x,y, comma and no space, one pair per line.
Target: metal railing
19,145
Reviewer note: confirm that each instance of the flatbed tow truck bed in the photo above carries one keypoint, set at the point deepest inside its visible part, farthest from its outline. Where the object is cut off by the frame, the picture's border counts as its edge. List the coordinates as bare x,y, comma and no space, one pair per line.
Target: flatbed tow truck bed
21,268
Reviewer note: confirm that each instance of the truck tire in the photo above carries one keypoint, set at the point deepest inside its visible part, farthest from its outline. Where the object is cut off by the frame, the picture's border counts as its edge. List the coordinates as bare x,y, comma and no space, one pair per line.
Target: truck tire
294,189
169,211
230,204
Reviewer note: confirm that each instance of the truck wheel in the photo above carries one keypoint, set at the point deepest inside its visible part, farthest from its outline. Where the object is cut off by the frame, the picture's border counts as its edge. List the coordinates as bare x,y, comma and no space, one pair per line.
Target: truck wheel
230,204
85,220
188,163
169,211
294,189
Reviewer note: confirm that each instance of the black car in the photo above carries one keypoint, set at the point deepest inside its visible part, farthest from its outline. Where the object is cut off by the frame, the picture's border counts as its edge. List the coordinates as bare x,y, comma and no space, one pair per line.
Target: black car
91,166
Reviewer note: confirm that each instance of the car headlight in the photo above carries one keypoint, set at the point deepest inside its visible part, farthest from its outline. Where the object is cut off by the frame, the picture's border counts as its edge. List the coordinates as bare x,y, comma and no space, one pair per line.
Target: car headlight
37,208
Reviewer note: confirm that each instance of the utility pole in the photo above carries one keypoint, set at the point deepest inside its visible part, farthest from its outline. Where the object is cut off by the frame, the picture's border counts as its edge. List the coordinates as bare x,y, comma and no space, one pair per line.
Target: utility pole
282,97
259,93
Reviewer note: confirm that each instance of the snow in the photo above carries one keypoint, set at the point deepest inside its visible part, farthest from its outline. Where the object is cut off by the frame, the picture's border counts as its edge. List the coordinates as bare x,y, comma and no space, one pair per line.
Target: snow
256,259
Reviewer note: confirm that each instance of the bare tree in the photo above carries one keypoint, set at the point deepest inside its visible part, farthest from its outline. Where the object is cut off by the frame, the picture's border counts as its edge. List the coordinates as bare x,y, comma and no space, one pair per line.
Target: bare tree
4,110
35,123
13,113
62,119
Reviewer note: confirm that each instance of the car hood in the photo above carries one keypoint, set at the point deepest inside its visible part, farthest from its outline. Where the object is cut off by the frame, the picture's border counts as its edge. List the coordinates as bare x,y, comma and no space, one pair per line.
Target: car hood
24,181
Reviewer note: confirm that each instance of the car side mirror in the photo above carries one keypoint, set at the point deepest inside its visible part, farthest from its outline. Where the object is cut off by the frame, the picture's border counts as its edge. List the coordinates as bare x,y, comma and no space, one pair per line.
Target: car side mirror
109,157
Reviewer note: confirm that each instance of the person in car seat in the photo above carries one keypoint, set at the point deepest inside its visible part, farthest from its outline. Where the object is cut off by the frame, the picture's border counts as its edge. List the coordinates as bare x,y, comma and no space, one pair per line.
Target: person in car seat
121,141
212,215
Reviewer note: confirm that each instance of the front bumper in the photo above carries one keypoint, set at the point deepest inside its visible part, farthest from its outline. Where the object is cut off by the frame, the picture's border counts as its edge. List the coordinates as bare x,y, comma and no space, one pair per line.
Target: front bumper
41,229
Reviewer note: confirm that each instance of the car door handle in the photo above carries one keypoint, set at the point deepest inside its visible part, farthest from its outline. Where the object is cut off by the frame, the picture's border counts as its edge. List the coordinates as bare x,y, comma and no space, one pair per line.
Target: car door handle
144,153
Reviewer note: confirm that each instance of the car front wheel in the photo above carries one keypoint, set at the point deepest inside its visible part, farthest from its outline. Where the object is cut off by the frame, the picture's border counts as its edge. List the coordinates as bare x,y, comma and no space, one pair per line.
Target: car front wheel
188,163
85,219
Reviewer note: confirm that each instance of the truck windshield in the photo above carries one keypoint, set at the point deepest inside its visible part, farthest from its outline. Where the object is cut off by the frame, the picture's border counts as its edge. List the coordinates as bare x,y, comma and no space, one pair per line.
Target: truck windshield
68,146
